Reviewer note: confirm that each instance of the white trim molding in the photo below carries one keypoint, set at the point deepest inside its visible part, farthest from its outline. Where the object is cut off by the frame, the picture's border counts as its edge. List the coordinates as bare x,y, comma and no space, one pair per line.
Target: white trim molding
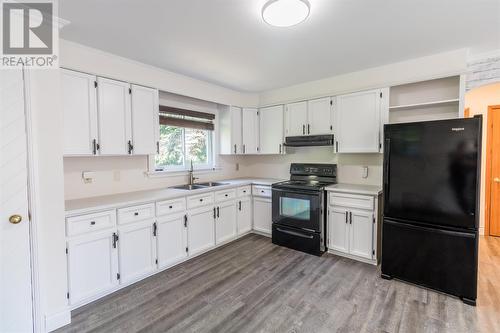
57,320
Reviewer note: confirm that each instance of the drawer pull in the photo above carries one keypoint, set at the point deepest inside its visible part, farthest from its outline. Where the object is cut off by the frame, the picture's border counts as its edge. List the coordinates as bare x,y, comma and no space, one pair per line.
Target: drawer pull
136,214
244,191
170,207
226,195
92,222
201,199
261,191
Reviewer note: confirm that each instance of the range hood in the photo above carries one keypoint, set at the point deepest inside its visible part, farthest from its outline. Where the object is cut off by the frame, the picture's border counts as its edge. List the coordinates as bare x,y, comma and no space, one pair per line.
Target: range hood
309,140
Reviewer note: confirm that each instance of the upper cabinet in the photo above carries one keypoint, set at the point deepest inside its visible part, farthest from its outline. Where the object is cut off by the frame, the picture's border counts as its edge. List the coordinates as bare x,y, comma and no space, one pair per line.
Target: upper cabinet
250,122
296,119
271,130
314,117
358,121
145,120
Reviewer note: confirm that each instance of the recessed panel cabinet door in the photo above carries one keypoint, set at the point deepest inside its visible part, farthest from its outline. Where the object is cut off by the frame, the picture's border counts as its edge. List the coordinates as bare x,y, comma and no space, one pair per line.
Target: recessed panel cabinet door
225,223
338,230
271,130
115,131
296,119
79,104
244,215
145,121
171,240
201,230
262,214
320,116
236,128
361,233
358,122
137,251
250,125
92,266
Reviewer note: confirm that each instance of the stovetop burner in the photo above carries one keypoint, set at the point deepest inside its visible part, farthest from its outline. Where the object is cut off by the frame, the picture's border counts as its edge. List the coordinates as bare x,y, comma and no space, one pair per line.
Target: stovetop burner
309,176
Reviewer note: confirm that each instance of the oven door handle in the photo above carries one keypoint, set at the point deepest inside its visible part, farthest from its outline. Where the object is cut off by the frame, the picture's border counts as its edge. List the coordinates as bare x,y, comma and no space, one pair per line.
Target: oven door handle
317,194
294,233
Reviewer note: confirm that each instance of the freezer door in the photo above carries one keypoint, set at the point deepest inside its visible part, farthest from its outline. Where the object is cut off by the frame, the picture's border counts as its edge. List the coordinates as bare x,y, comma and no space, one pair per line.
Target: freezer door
439,259
431,172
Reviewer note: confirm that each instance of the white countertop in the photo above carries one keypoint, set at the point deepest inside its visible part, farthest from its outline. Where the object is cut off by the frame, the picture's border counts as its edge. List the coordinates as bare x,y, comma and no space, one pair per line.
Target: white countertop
355,189
79,206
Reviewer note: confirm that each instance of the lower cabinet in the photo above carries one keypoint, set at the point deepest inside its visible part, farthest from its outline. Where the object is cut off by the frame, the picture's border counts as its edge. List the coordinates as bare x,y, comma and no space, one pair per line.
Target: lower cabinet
338,229
201,229
171,238
225,223
137,250
92,265
244,215
262,214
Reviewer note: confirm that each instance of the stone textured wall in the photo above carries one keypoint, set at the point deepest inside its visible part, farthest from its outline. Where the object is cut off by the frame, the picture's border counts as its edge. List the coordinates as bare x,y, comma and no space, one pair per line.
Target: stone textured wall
483,71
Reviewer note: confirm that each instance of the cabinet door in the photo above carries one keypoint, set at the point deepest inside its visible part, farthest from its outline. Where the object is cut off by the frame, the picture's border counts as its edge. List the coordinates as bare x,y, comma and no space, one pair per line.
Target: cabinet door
137,251
358,122
250,125
145,121
92,266
79,106
201,229
271,130
262,214
296,119
236,128
338,229
225,223
320,116
361,233
113,108
171,238
244,215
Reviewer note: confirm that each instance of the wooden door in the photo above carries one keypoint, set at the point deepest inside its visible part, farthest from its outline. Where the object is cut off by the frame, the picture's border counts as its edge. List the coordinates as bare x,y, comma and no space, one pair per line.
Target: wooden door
171,240
250,125
296,119
320,116
271,130
236,128
494,165
79,104
145,121
201,230
338,229
113,108
225,224
244,216
361,233
15,281
262,214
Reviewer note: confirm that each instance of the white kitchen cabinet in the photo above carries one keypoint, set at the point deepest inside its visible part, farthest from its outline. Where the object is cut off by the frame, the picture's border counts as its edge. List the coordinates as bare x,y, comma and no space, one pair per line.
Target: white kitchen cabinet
320,116
79,106
236,130
296,119
230,130
92,266
201,229
137,250
145,120
262,214
361,233
271,130
338,229
171,240
358,122
225,223
244,215
250,125
114,111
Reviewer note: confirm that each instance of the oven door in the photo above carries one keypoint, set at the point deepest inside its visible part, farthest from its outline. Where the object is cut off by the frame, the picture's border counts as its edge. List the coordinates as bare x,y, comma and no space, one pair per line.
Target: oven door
298,209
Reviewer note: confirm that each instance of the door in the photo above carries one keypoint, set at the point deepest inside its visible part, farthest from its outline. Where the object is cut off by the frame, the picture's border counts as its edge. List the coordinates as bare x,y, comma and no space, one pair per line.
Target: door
494,165
320,116
338,229
358,122
79,104
92,266
271,130
296,119
201,229
225,224
298,209
113,108
236,128
137,250
361,233
262,214
250,124
15,282
171,240
244,215
145,121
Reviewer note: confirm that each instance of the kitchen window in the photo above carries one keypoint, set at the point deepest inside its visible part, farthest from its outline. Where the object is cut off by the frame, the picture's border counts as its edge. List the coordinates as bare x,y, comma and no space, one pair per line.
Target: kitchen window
185,136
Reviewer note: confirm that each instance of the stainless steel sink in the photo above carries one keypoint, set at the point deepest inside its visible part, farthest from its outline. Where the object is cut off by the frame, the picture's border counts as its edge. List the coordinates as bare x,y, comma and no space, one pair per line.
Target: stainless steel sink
210,184
189,187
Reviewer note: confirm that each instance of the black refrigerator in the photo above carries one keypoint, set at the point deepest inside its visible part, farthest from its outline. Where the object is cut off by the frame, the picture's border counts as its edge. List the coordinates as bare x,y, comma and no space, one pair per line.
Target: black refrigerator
431,204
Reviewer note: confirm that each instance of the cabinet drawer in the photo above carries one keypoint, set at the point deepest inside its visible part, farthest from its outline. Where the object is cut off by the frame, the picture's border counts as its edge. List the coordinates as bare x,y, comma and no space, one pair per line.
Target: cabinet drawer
352,201
244,191
136,213
170,206
261,191
225,195
82,224
200,200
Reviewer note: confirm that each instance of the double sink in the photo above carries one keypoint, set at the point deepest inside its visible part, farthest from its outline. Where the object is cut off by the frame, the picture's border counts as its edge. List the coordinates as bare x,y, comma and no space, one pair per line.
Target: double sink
197,186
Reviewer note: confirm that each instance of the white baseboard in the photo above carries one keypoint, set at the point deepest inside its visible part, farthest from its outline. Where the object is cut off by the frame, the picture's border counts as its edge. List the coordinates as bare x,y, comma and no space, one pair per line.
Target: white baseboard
57,320
481,231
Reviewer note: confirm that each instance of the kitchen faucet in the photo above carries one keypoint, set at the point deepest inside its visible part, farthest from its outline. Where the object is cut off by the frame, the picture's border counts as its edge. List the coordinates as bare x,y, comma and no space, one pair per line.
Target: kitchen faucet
191,176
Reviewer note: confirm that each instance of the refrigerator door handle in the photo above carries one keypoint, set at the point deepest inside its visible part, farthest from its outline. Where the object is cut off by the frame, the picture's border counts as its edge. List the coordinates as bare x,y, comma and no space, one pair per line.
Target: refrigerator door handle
471,234
387,159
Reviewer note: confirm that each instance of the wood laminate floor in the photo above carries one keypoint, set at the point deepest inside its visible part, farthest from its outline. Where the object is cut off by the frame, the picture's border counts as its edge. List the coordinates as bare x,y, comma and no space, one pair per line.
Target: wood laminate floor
251,285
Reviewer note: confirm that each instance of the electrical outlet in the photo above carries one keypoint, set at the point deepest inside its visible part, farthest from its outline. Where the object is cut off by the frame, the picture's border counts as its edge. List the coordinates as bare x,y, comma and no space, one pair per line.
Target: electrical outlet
88,177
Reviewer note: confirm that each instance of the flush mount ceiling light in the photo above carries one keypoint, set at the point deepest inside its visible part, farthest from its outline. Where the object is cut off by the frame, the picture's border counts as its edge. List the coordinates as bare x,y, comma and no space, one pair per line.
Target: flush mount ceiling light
285,13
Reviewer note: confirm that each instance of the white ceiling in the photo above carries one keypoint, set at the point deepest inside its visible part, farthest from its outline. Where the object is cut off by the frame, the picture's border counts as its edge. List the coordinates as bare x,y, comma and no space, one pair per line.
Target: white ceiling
226,42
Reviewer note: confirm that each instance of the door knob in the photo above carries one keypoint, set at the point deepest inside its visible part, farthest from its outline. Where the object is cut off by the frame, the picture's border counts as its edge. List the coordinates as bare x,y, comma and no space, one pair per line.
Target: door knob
15,219
496,180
